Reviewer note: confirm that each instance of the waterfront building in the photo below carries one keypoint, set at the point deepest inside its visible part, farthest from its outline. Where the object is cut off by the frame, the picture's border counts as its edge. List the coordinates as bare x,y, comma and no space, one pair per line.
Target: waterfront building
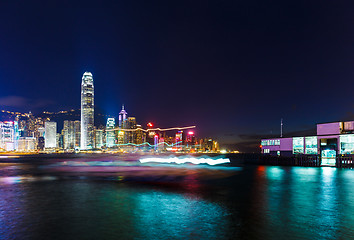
50,135
40,144
41,131
99,143
77,133
208,145
68,134
71,134
60,141
332,139
16,134
140,135
110,134
179,138
7,136
190,139
131,135
121,138
27,144
87,112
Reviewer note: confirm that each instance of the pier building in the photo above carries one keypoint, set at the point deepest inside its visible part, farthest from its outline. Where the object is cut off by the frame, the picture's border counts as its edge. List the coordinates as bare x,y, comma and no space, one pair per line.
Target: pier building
332,139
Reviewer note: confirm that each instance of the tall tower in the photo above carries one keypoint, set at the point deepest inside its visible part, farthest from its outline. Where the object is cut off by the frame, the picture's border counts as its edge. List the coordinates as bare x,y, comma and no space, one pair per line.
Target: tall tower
50,135
122,118
87,112
110,135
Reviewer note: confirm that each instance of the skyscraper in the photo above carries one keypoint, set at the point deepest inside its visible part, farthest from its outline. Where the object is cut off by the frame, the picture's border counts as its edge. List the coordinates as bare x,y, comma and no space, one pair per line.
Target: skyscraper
71,134
98,138
77,130
131,135
50,140
122,118
87,112
110,135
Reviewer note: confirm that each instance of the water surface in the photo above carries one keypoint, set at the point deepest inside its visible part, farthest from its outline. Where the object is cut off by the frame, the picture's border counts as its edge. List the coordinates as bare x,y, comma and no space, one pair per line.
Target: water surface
255,202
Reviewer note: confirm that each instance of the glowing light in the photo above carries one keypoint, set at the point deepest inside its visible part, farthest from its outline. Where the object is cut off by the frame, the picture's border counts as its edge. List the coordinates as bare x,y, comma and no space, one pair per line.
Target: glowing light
153,129
223,151
208,161
148,144
191,133
150,124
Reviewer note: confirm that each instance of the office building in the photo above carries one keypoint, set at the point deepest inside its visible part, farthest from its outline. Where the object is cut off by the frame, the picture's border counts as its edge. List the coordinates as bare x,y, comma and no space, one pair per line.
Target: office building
7,136
110,133
99,136
122,118
50,135
27,144
71,134
87,112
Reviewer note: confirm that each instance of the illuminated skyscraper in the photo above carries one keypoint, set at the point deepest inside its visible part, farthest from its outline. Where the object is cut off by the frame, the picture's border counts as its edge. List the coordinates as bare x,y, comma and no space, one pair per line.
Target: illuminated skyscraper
131,135
98,138
110,135
50,135
71,134
77,131
122,118
87,112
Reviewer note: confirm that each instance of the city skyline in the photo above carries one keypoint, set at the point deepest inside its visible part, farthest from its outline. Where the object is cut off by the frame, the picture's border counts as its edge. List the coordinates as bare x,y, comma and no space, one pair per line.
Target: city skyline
232,68
27,133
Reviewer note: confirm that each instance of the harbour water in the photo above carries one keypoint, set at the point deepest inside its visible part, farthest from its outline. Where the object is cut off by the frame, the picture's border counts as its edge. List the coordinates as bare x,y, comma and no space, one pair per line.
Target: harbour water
254,202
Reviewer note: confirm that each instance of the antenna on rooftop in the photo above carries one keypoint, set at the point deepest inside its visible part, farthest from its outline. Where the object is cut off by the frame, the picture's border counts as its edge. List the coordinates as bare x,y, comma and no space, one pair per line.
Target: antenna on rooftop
281,127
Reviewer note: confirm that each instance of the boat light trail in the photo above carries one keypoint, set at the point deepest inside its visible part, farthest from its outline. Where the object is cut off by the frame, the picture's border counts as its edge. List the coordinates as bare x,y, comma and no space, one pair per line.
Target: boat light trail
192,160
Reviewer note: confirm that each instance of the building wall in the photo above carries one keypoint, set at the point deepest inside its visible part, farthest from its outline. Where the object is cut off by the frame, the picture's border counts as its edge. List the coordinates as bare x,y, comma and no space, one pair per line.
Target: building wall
285,144
329,128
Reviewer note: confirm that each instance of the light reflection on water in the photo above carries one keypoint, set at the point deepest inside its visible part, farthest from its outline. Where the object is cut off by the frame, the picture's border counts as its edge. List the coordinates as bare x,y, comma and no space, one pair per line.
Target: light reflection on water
261,202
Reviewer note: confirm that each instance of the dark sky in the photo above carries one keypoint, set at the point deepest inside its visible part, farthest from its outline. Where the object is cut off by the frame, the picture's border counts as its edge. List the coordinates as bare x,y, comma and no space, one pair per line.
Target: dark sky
233,68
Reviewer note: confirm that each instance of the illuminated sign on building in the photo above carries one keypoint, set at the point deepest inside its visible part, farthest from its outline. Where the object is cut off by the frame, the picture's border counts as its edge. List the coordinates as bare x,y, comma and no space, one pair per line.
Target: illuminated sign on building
298,145
270,142
346,144
311,145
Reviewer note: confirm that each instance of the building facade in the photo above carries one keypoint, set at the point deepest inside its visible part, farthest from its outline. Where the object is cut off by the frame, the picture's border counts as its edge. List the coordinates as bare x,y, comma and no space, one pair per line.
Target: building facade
110,133
87,112
50,135
71,134
331,140
7,136
122,118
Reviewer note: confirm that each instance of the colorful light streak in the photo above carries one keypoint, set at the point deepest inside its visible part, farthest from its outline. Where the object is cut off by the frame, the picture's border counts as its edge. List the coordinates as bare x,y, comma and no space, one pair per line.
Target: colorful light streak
148,144
152,129
192,160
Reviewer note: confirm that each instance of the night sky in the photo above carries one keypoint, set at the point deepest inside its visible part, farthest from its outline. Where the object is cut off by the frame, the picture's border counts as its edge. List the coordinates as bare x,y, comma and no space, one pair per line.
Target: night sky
233,68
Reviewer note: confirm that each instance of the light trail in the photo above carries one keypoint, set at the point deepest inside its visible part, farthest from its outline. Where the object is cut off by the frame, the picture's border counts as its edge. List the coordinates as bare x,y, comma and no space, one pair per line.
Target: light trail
148,144
152,129
208,161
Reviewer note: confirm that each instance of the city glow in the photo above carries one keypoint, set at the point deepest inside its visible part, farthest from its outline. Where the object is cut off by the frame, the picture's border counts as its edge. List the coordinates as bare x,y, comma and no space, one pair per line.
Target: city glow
209,161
